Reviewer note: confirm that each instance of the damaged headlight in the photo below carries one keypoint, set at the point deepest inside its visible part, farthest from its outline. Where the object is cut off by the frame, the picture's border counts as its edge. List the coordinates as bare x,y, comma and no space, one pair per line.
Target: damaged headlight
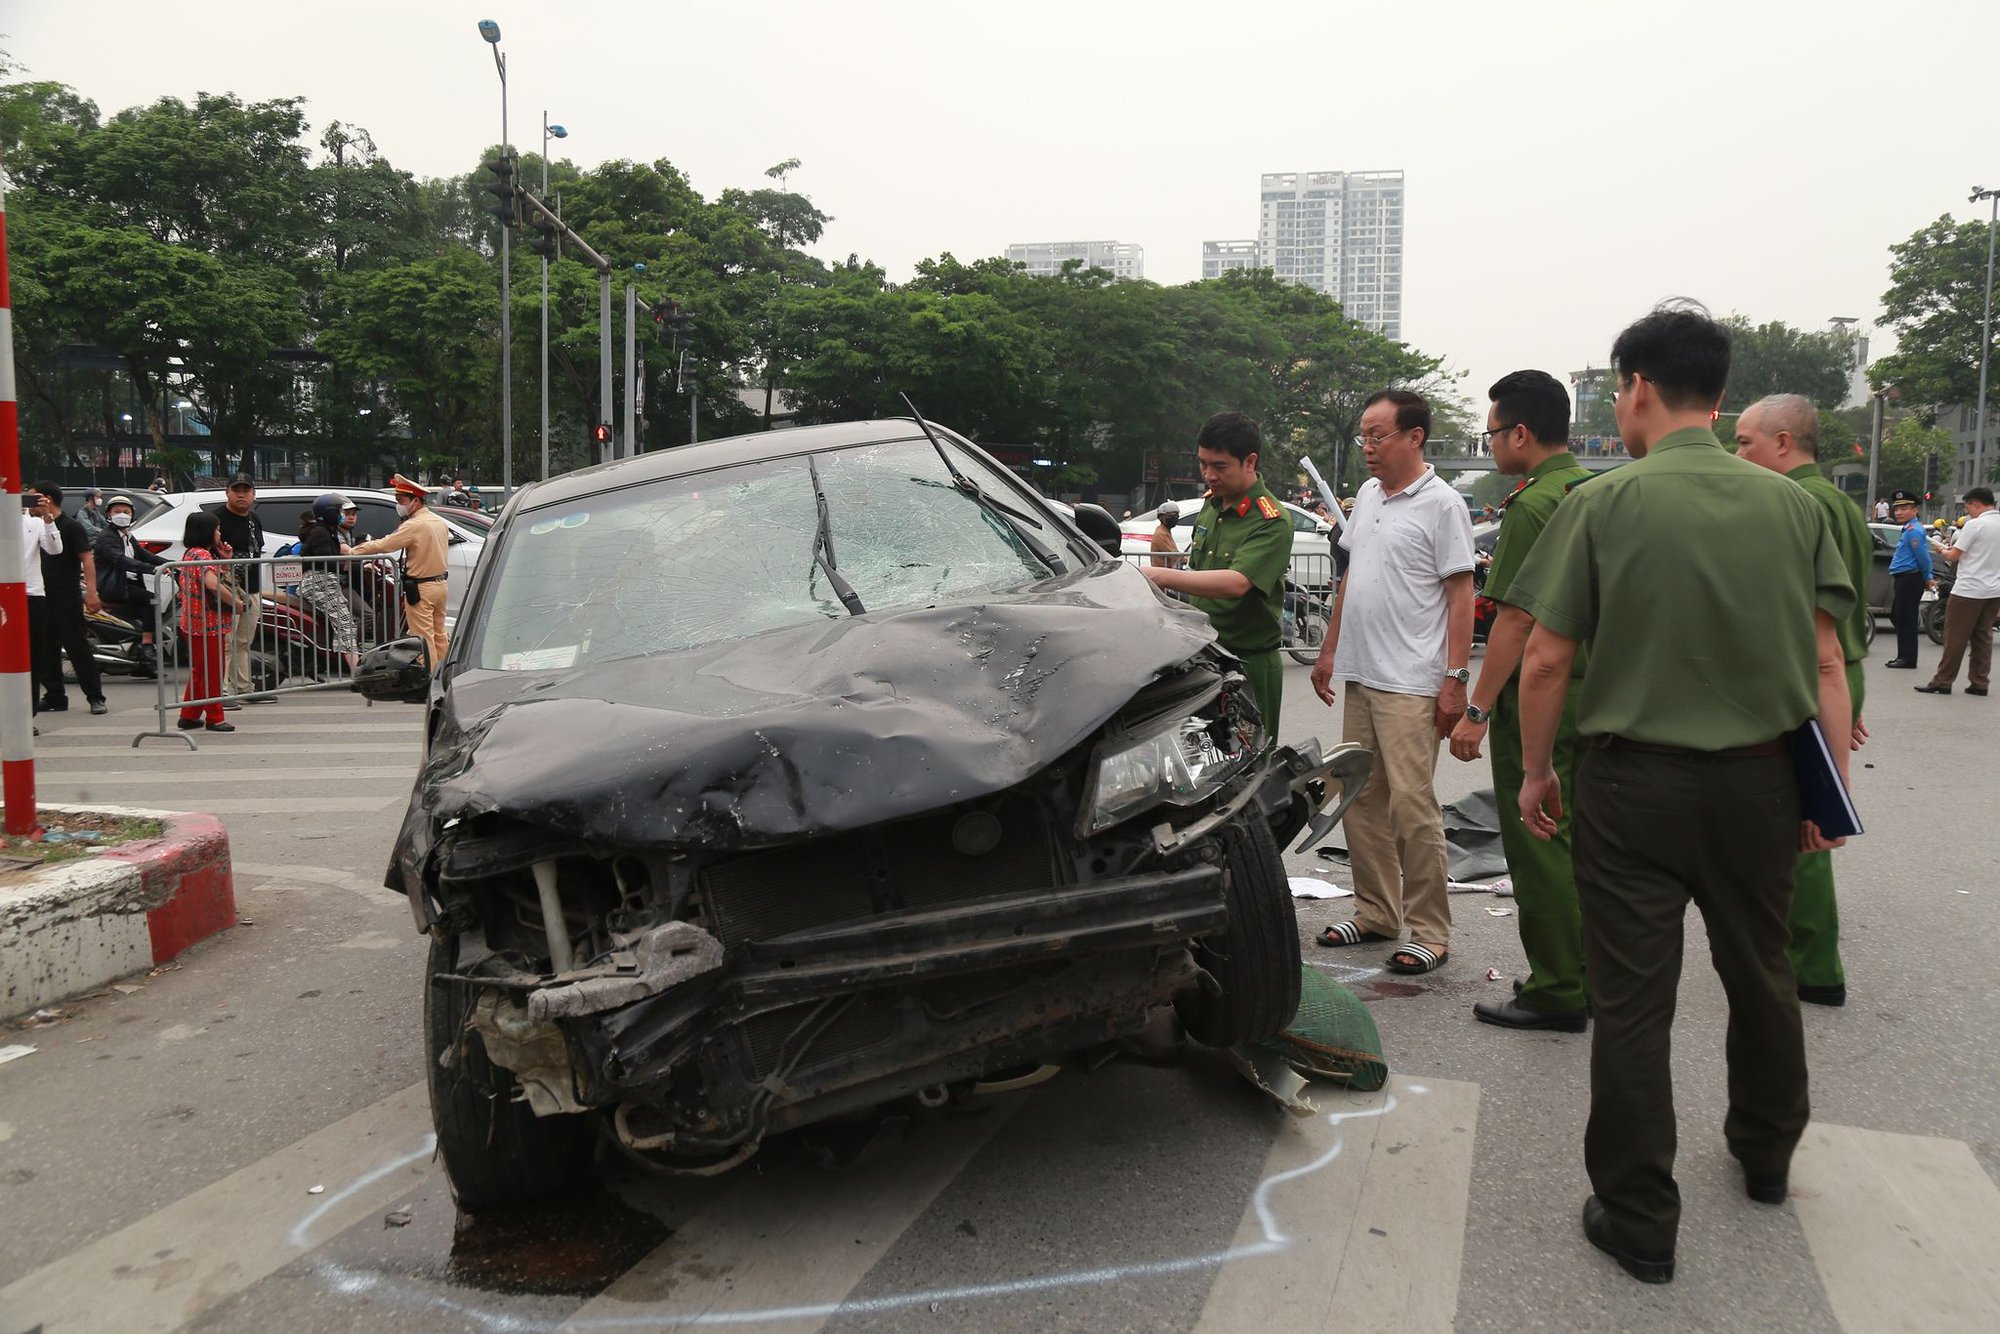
1179,765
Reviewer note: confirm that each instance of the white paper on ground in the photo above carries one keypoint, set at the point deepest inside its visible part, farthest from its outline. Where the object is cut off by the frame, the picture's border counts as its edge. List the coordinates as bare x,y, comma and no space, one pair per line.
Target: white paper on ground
1504,887
16,1052
1305,887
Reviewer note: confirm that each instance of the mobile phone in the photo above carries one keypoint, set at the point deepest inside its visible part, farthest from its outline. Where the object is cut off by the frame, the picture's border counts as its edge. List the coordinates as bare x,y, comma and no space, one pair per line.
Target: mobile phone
30,500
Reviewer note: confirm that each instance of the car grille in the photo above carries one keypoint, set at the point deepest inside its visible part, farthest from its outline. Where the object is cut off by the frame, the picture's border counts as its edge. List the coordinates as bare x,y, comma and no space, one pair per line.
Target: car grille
908,865
868,1021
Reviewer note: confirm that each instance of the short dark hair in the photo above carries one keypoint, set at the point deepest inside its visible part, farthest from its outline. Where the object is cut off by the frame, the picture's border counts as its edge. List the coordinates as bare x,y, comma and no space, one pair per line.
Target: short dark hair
1230,433
52,491
1982,494
199,530
1682,349
1413,410
1536,400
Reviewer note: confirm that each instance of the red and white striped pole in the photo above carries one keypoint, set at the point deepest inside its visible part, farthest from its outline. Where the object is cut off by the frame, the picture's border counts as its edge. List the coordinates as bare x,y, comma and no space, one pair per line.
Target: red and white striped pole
17,695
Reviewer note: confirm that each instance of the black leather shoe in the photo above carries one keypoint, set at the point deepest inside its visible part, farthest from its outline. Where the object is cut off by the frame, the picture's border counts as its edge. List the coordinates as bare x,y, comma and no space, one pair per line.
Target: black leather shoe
222,727
1647,1269
1975,690
1767,1188
1513,1014
1833,995
1898,662
52,705
1932,689
188,724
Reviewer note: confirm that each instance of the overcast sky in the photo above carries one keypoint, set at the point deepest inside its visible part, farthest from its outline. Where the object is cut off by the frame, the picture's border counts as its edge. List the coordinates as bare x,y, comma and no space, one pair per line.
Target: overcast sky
1568,163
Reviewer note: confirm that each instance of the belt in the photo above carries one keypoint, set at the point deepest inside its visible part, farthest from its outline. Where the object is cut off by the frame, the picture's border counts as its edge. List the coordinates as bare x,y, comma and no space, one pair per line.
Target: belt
425,578
1776,746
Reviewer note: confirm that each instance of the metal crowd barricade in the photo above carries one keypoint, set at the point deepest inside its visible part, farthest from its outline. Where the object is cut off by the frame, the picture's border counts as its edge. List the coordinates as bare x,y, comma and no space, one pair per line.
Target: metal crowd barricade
1307,610
295,642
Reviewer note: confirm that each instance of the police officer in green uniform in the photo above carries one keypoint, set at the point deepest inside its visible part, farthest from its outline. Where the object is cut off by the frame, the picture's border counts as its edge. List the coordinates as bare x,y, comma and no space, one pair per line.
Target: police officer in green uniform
1709,592
1782,433
1528,424
1237,559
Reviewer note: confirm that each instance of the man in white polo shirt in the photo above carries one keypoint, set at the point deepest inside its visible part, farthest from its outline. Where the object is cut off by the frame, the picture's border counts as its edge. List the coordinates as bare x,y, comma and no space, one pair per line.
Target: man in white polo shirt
1401,639
1975,596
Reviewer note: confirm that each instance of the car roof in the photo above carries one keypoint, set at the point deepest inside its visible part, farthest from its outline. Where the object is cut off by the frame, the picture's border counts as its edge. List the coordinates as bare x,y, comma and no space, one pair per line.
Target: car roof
726,452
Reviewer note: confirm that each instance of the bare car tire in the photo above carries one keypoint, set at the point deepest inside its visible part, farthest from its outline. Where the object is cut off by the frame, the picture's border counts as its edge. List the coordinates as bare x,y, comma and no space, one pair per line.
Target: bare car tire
1933,619
496,1151
1256,959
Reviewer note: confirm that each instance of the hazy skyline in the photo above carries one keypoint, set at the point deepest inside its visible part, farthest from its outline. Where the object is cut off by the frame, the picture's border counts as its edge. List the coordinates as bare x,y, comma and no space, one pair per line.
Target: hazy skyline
1567,164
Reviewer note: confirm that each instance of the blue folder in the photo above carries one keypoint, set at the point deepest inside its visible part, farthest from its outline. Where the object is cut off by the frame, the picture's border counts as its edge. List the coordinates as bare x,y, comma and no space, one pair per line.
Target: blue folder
1823,798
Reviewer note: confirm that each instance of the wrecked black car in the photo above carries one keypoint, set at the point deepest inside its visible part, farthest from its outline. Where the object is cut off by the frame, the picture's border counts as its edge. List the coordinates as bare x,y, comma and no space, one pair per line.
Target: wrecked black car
777,778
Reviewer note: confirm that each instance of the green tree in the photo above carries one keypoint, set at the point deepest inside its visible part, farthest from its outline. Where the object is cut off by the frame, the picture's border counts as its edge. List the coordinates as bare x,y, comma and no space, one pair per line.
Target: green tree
1935,302
1777,358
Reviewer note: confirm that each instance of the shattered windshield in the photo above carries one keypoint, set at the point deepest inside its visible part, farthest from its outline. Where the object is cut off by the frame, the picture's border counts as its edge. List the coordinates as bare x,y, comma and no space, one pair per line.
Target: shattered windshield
728,554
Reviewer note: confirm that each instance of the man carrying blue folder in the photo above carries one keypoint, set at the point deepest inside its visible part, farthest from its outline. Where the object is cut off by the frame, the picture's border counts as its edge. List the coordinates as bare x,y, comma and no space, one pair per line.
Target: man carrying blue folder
1698,675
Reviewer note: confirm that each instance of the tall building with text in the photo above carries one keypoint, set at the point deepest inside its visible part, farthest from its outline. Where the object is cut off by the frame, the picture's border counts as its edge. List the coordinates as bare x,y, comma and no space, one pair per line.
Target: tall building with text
1045,259
1338,232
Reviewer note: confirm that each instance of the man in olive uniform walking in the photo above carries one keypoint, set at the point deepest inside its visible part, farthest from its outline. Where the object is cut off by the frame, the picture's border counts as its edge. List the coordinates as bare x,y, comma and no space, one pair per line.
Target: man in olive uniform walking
1528,424
1782,433
1237,558
1687,790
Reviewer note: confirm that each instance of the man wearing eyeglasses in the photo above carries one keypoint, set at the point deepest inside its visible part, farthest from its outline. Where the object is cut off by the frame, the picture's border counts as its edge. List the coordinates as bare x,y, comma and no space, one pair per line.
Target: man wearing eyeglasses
1528,425
1400,638
1686,792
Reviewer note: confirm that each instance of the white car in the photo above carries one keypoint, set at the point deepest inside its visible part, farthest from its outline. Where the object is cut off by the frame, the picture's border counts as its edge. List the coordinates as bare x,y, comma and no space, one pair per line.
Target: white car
1312,556
158,528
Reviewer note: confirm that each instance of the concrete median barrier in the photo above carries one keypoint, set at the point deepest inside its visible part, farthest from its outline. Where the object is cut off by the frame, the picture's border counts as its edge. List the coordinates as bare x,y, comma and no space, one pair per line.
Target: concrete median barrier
76,925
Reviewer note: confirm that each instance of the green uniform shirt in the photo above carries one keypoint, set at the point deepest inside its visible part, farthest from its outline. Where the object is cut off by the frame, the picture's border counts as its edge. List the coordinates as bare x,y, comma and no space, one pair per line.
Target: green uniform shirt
1857,551
1528,512
1693,577
1254,538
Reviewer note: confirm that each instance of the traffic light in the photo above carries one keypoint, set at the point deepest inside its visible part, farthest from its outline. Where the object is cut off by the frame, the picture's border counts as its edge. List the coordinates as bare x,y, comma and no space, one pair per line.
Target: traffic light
600,434
680,324
1930,475
504,189
662,311
545,242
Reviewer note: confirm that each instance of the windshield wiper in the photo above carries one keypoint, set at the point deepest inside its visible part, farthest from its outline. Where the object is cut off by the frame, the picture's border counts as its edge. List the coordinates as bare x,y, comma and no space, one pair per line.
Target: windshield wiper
823,547
971,488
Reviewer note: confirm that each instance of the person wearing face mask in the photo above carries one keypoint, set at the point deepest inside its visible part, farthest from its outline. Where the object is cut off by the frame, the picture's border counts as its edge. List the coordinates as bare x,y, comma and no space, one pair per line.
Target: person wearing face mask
423,539
122,565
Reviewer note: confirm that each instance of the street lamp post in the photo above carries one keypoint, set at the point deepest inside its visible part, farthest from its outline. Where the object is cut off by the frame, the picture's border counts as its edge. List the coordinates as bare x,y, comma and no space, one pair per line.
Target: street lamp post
548,132
1985,339
491,32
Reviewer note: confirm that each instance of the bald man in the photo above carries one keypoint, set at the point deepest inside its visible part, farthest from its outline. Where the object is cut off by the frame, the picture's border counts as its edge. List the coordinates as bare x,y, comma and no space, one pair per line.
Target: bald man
1782,433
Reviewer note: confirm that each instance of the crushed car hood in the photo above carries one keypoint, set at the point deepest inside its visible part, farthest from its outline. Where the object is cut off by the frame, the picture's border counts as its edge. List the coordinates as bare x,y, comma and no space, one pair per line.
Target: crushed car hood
804,731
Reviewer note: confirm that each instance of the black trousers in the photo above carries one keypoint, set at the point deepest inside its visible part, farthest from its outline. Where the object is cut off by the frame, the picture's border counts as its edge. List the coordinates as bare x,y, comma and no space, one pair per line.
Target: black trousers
1903,614
65,617
44,657
1653,832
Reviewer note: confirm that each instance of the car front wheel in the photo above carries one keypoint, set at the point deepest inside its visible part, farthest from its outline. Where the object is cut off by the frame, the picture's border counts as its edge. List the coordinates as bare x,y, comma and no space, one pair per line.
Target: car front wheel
1256,959
496,1150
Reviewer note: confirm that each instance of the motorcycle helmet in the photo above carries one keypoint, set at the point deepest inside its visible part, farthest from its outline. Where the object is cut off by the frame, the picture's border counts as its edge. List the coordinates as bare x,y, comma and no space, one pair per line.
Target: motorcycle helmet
326,509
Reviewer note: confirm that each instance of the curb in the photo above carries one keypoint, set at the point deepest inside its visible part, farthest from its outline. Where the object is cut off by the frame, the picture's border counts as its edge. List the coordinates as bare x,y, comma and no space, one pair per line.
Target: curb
80,924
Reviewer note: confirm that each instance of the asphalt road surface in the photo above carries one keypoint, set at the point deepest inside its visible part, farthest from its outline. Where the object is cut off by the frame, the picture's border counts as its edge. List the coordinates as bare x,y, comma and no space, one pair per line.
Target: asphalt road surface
242,1142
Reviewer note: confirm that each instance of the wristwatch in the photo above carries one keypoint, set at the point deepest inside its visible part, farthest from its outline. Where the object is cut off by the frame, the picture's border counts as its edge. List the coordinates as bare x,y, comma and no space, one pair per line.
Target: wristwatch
1462,675
1475,714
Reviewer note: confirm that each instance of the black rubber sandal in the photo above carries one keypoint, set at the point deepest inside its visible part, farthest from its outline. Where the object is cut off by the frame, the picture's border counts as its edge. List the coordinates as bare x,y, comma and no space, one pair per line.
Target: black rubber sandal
1347,933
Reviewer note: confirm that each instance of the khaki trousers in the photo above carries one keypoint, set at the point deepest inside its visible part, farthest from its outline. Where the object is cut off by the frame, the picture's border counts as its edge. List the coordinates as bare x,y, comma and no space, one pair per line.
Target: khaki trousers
1395,831
236,655
1968,624
426,618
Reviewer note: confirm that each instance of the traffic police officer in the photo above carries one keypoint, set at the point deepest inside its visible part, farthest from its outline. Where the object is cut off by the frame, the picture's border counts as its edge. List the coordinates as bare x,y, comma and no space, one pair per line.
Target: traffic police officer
1782,433
1910,574
1237,559
424,539
1528,424
1698,671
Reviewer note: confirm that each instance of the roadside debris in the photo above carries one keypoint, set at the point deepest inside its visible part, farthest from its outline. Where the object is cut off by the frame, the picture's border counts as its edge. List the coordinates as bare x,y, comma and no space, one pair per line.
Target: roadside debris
16,1052
46,1018
397,1218
1499,912
1493,975
315,1190
1305,887
125,988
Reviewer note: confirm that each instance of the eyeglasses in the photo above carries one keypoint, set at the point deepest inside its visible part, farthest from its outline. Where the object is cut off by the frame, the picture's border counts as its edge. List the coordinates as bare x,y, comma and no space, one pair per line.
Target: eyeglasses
1486,437
1379,440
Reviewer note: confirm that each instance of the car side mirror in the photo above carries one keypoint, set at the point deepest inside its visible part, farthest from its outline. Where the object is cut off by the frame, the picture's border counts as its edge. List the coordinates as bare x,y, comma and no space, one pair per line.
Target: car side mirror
398,672
1098,525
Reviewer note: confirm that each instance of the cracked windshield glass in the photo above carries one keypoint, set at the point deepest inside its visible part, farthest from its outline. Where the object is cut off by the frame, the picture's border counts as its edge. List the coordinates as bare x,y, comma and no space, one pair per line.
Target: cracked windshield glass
730,554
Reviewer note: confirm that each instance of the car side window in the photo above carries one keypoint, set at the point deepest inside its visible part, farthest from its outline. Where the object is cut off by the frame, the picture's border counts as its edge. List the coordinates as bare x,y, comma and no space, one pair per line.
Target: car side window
281,517
374,519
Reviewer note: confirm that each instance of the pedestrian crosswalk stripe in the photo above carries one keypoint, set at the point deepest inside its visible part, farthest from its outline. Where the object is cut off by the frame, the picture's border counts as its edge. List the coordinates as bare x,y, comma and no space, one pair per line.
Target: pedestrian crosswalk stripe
1901,1227
236,745
165,1270
1362,1210
280,805
319,775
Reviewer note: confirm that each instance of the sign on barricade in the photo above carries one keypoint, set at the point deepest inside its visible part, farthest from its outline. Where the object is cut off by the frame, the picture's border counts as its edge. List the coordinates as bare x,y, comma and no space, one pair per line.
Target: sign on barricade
229,632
